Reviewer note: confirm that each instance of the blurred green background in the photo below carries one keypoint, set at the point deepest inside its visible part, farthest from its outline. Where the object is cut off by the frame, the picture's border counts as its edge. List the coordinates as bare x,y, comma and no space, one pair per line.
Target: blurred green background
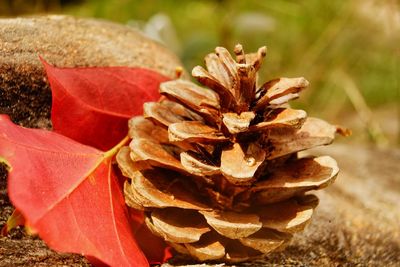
349,50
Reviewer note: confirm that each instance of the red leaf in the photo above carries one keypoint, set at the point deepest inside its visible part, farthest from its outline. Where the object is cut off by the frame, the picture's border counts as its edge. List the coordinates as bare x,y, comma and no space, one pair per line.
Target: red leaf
15,219
154,247
93,105
69,194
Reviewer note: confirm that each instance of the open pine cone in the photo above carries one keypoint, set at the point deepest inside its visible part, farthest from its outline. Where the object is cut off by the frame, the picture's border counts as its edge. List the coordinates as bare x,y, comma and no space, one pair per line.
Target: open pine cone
216,169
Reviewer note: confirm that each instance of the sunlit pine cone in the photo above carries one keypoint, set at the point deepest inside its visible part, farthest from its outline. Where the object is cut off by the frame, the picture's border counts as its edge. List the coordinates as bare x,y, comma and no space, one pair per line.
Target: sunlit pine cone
216,169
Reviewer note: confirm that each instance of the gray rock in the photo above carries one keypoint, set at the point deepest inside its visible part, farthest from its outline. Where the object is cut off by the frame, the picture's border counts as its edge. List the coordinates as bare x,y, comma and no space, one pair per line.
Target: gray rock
65,42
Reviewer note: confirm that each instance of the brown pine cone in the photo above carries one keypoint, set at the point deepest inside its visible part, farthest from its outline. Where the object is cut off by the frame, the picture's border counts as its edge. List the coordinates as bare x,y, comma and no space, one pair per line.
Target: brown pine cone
216,169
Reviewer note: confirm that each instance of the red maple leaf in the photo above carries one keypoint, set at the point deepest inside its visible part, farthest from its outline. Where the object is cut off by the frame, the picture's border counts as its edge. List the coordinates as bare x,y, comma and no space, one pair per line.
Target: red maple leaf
93,105
69,194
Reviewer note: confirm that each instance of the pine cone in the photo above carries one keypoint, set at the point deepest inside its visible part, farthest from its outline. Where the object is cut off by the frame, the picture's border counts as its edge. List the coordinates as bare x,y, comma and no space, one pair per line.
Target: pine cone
216,169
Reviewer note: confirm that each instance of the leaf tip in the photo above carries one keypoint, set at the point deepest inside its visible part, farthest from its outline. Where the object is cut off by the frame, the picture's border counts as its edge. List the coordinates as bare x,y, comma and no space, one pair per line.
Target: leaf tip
15,219
45,64
6,163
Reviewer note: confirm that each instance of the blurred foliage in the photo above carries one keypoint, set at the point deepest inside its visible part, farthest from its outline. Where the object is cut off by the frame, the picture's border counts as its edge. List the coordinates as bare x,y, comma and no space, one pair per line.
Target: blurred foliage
333,44
19,7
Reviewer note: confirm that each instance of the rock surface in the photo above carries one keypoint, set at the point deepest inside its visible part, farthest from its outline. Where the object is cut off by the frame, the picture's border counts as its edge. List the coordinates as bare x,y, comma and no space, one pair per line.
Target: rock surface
65,42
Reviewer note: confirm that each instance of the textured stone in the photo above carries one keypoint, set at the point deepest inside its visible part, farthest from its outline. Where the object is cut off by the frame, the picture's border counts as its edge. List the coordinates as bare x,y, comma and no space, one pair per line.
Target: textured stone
65,42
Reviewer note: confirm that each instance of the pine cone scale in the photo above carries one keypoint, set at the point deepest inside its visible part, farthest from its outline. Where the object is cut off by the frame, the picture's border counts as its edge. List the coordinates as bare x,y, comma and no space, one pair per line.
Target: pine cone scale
284,118
277,88
295,178
196,166
225,95
145,153
237,123
208,248
194,131
169,221
233,225
288,216
161,114
153,188
190,94
216,69
265,240
139,127
239,165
